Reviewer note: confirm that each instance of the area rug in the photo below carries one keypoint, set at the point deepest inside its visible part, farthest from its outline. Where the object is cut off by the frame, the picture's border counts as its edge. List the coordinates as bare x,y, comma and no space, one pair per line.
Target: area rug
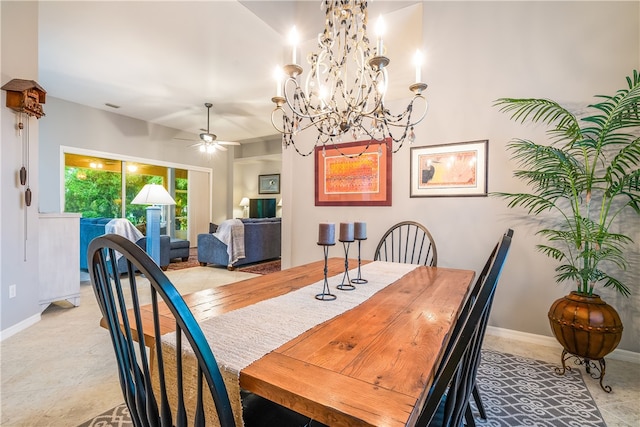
262,268
516,391
191,262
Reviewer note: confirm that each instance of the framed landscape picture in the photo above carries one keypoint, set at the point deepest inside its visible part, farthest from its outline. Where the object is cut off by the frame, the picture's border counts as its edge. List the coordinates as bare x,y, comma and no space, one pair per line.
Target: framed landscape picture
458,169
269,184
361,180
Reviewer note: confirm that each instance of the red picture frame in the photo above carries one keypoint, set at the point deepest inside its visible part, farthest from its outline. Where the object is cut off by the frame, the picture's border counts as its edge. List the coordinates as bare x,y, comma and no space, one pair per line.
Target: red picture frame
353,174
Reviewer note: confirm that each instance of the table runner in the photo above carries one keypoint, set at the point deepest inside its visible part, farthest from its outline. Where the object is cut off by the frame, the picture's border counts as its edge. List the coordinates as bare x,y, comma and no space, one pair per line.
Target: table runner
240,337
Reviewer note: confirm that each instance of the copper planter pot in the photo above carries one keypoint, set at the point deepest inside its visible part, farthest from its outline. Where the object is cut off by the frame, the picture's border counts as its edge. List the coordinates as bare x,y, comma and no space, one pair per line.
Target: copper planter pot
585,326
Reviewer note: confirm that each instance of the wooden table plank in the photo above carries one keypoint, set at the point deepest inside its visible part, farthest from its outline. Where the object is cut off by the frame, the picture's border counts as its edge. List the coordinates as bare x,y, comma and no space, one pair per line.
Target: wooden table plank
208,303
321,385
389,345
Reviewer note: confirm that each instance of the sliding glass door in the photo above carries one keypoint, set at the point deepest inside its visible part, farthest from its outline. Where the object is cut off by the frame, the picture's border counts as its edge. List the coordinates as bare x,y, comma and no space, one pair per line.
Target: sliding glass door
97,186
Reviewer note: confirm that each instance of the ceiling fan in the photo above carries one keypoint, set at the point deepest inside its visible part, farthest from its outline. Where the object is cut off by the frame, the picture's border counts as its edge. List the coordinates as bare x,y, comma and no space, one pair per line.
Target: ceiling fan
208,141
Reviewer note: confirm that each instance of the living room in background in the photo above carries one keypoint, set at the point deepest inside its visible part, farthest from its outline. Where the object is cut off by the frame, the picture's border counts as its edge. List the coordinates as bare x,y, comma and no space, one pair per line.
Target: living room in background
96,186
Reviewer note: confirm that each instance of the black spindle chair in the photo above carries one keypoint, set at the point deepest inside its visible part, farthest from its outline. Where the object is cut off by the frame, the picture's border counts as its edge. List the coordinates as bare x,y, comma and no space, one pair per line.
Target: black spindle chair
447,403
120,299
407,242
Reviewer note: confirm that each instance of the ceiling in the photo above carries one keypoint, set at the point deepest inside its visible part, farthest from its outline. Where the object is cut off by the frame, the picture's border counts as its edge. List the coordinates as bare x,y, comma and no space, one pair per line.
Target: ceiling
160,61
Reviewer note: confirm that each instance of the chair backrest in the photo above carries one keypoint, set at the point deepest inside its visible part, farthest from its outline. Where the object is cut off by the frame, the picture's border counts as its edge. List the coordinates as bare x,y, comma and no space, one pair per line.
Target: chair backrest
473,295
455,377
120,299
407,242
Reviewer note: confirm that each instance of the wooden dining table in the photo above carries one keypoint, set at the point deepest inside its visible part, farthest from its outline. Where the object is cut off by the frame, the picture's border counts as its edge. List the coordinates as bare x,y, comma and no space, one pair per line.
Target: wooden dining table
371,365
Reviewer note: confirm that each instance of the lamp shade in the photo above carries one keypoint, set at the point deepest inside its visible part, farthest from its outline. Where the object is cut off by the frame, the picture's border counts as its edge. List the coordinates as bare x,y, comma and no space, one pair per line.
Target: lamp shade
244,202
153,194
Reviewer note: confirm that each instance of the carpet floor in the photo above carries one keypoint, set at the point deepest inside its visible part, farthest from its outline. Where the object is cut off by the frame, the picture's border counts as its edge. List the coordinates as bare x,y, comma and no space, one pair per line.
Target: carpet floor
516,391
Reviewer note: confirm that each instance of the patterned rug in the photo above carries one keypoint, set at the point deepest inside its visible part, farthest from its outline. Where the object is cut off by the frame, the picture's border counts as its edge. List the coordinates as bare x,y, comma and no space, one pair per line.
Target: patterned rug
516,391
262,268
258,268
177,264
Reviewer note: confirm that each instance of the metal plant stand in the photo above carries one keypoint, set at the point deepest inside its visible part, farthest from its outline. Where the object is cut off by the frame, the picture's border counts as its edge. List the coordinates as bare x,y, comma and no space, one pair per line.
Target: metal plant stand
589,365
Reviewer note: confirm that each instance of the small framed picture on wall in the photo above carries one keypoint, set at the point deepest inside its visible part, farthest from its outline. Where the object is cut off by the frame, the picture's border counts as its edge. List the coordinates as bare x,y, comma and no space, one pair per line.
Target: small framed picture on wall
269,184
452,170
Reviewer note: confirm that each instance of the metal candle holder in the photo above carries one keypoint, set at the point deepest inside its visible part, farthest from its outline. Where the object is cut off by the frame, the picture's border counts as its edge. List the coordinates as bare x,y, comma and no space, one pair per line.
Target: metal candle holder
346,286
325,295
359,280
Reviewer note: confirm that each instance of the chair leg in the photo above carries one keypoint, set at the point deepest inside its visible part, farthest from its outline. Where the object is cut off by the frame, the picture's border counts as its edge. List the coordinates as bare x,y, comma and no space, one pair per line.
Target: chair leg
468,416
476,397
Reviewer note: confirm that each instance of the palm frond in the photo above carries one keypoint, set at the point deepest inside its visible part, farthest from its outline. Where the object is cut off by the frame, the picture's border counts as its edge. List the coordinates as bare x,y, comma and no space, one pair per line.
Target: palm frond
586,164
542,111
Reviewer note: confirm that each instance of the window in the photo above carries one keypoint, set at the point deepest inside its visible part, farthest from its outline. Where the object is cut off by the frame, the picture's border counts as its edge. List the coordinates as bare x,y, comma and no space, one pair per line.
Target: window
95,187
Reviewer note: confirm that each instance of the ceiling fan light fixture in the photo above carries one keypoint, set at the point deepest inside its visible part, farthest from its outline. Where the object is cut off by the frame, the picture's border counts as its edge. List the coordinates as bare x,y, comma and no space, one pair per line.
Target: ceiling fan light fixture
207,137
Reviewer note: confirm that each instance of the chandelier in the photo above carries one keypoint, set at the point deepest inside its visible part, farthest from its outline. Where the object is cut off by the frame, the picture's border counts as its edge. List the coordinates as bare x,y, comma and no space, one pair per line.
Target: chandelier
344,92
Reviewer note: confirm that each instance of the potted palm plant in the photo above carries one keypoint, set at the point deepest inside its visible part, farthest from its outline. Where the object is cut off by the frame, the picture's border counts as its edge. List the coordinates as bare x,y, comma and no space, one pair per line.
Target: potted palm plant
585,177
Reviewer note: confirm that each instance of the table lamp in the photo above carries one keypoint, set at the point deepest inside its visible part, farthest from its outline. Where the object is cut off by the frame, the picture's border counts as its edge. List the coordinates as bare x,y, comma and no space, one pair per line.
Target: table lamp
245,206
155,195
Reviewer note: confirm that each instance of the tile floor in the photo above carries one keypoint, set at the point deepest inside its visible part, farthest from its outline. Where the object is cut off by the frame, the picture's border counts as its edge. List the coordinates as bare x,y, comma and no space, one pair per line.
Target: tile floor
61,371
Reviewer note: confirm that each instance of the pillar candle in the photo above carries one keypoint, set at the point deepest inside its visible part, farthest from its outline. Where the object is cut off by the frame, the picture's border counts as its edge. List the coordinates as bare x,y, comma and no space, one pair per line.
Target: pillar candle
327,234
360,230
293,39
346,232
380,28
417,60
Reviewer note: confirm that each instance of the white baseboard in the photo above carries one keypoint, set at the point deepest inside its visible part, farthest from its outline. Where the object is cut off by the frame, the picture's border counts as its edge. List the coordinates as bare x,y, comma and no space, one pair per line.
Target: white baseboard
12,330
617,354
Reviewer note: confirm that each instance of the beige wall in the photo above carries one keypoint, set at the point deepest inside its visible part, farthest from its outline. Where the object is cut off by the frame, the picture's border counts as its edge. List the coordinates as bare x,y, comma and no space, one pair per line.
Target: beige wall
478,52
18,223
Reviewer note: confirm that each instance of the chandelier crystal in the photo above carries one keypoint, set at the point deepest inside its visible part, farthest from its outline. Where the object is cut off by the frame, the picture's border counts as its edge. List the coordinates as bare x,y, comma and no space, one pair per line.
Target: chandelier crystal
343,96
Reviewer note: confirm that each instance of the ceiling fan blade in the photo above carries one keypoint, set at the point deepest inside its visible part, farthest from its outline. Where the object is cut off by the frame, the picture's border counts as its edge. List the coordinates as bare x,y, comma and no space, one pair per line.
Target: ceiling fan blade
184,139
227,142
220,147
196,144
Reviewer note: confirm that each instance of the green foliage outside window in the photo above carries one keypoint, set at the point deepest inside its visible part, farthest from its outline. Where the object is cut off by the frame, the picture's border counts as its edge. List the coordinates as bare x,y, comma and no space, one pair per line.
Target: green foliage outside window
137,214
98,193
92,192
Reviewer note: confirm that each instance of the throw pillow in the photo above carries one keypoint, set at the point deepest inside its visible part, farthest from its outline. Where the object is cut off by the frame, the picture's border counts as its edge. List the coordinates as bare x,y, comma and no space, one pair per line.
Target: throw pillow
213,228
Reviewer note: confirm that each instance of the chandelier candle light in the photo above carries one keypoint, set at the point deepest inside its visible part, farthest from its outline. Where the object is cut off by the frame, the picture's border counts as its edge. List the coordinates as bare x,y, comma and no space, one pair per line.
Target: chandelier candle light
326,238
346,237
344,92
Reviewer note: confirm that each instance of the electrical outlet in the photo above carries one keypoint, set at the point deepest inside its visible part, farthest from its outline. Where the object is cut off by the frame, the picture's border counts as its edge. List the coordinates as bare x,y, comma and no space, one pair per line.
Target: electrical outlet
12,291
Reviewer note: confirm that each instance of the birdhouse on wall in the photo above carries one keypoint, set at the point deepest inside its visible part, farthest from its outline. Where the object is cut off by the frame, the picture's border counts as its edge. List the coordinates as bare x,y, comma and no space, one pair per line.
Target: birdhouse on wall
25,96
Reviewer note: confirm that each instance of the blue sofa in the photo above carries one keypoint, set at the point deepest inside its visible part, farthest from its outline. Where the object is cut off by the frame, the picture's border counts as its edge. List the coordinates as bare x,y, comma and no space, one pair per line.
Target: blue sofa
90,228
262,241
